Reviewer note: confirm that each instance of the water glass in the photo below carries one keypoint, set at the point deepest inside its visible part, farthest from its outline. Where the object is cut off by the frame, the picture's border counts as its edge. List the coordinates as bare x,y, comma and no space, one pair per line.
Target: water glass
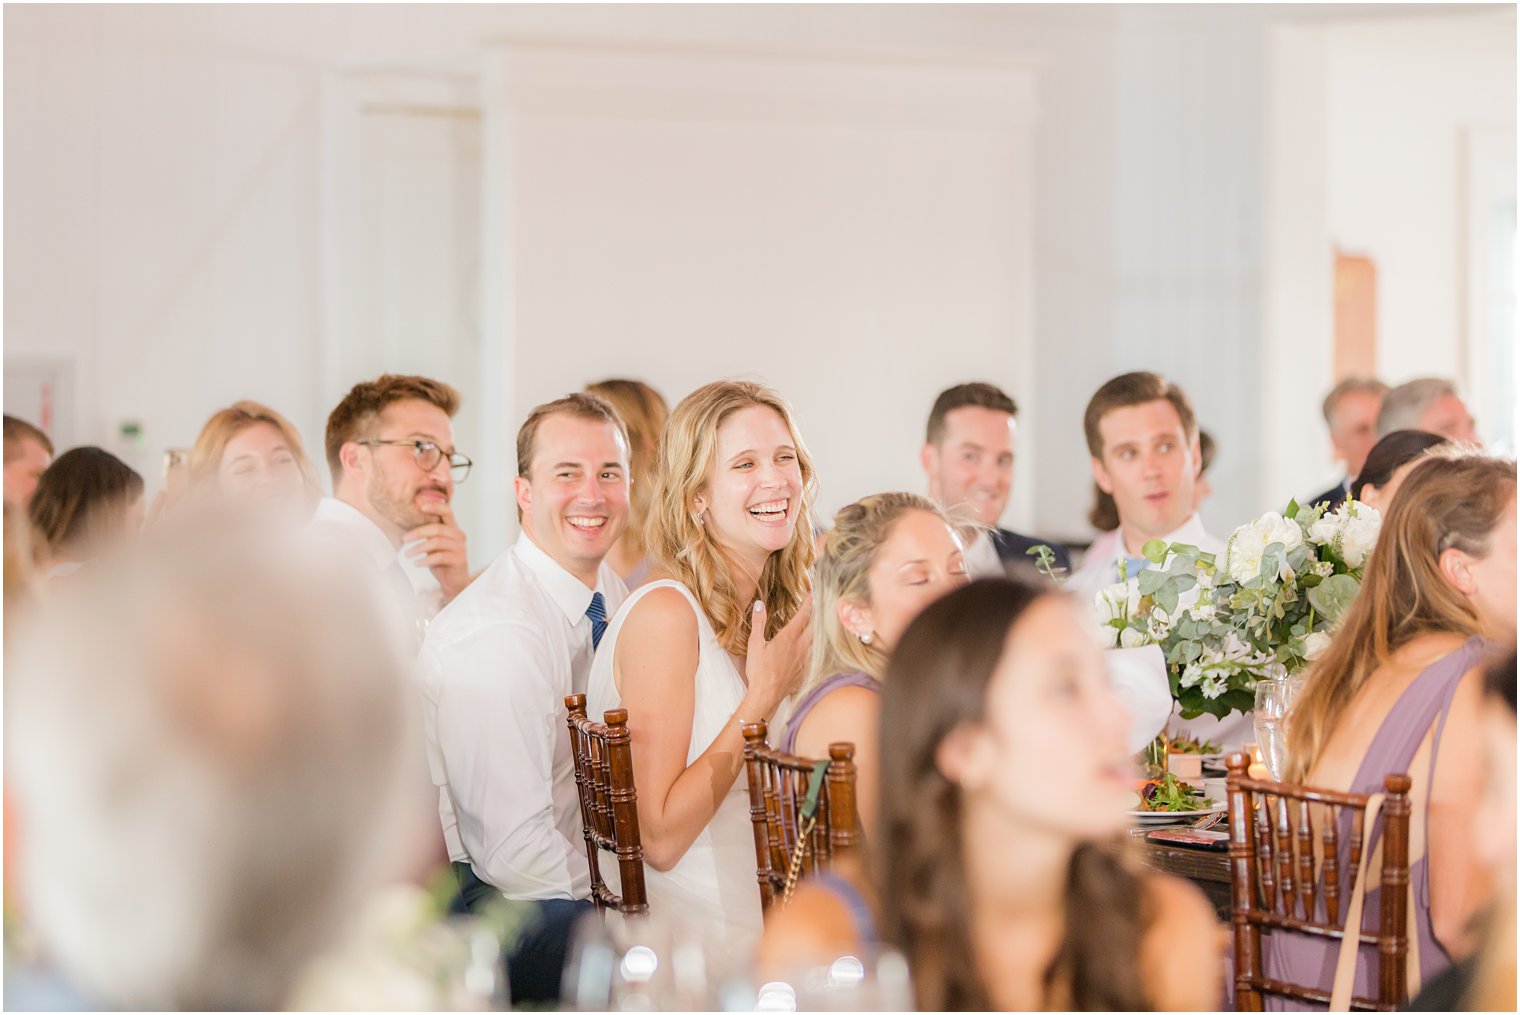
1274,699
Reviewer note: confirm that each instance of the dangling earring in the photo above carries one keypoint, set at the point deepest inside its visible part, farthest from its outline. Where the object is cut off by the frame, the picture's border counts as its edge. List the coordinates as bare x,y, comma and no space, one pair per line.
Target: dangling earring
865,639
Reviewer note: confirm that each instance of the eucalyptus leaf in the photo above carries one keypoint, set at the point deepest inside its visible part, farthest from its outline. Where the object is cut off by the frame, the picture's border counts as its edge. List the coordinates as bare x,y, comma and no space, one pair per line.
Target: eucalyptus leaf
1154,551
1331,596
1166,598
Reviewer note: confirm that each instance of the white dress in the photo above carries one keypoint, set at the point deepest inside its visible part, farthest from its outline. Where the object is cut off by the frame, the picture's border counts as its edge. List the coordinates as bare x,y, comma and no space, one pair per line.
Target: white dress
713,885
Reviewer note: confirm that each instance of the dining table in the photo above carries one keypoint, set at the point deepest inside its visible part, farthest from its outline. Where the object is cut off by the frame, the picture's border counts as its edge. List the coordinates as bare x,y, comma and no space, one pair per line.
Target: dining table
1207,868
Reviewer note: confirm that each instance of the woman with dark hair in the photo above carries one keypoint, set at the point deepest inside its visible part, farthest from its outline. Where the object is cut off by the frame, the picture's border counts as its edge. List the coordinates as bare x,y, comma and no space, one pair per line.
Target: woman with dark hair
1388,463
994,883
1007,776
85,501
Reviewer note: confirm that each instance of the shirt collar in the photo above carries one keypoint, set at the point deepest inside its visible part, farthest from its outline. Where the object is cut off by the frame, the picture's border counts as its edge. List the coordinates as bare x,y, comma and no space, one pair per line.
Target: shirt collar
372,539
567,591
1189,533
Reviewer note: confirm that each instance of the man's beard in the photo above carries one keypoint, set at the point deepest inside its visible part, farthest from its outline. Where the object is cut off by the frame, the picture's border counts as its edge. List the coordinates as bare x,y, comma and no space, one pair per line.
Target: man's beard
401,512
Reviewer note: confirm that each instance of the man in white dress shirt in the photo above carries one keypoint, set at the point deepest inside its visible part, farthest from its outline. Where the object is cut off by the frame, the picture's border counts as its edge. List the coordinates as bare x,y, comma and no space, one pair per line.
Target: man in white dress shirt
390,446
496,666
1143,439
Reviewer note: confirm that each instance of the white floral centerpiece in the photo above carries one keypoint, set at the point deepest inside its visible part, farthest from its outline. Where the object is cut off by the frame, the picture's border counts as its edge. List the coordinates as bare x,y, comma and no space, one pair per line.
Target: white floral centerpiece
1263,611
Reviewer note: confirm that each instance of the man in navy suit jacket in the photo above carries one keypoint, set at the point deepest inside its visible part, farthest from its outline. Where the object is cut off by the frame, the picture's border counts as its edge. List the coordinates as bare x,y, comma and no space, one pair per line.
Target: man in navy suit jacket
968,457
1351,413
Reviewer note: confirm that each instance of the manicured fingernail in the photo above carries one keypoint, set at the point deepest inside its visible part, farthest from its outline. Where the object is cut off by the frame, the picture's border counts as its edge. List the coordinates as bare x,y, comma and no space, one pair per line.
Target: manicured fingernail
759,606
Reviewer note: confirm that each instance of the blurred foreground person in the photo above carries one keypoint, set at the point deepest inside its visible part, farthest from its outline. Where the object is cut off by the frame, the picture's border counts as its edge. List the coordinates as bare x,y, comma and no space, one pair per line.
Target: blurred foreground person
996,702
86,503
28,453
248,450
207,782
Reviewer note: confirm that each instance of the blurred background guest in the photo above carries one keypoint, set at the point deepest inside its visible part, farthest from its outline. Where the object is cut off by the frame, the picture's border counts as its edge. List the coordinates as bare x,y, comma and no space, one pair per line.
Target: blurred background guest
249,450
28,453
1398,690
1351,414
86,502
717,638
1388,463
1430,404
1485,981
968,459
995,702
886,558
207,785
643,412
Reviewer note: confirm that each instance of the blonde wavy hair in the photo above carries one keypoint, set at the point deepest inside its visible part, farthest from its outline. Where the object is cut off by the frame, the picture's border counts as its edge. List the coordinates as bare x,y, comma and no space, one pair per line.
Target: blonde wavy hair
1453,498
225,424
643,412
683,547
849,550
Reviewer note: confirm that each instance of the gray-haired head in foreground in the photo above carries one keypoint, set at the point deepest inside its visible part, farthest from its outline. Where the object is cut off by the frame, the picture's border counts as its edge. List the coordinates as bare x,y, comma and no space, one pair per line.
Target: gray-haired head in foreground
1403,405
205,739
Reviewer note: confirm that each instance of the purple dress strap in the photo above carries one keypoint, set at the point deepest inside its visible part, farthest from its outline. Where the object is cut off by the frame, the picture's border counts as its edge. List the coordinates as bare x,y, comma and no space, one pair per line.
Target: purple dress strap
810,700
1421,709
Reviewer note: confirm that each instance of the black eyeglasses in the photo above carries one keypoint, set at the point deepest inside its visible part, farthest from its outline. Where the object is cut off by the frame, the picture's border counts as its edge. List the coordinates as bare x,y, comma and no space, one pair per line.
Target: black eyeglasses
428,456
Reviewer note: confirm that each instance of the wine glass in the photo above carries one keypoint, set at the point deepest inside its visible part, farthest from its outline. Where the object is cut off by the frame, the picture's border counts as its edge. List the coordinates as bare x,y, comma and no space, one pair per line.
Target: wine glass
647,963
869,978
1274,699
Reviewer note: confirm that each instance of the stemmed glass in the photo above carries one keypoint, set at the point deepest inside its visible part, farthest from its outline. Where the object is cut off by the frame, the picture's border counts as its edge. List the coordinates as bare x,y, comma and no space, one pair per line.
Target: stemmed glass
1274,699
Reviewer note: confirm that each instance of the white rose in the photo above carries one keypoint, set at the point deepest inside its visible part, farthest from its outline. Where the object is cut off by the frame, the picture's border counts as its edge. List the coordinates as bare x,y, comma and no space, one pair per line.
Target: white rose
1248,544
1359,535
1131,638
1351,528
1316,643
1119,601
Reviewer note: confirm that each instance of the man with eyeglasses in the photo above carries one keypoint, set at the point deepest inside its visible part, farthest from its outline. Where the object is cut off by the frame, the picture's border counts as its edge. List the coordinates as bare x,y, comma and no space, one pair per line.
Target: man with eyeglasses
390,446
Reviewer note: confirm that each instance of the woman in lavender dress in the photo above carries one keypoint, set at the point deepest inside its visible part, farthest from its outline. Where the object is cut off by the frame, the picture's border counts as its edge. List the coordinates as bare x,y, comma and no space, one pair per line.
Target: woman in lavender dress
1399,690
888,556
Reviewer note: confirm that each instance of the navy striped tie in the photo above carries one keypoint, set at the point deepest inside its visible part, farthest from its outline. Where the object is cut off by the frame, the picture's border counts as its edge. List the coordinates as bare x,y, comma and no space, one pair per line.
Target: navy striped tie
597,611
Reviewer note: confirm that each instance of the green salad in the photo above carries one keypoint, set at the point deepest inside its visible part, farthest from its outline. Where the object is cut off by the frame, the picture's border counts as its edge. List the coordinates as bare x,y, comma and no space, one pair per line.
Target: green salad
1169,794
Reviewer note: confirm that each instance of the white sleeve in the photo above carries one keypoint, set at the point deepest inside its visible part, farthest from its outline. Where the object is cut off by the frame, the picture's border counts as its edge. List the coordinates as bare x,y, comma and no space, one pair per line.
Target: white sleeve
500,720
1138,677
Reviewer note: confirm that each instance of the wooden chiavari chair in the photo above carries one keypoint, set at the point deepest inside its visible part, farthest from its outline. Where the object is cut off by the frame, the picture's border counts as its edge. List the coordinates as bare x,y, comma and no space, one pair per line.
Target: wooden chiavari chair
1286,878
778,790
609,804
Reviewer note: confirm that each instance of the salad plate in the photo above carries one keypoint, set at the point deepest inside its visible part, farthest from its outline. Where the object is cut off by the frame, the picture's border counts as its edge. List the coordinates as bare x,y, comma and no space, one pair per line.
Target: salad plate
1174,817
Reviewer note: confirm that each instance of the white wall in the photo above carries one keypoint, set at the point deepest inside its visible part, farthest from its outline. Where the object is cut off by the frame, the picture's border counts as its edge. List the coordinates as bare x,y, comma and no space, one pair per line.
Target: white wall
1375,128
854,233
187,222
1403,98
